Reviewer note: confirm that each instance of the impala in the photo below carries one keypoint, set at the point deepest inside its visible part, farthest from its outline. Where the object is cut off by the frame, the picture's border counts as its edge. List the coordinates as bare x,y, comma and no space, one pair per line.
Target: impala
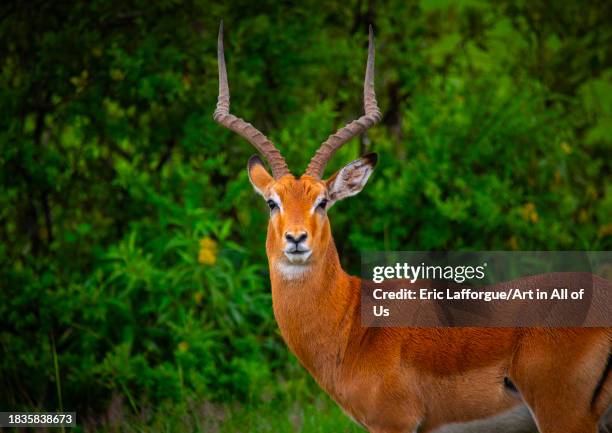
400,380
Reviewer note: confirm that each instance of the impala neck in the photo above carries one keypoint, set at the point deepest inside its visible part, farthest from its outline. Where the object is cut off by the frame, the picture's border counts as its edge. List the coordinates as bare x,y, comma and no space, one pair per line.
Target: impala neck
315,312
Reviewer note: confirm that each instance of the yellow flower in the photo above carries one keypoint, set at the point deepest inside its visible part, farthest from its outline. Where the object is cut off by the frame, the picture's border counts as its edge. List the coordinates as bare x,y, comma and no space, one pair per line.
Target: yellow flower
566,148
208,251
197,297
183,346
530,213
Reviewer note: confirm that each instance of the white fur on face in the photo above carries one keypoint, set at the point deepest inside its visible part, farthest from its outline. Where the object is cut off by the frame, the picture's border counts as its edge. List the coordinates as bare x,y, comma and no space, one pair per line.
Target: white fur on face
292,271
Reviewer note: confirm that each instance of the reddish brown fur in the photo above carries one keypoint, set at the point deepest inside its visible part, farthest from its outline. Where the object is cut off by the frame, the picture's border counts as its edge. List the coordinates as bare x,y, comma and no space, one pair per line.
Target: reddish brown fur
393,380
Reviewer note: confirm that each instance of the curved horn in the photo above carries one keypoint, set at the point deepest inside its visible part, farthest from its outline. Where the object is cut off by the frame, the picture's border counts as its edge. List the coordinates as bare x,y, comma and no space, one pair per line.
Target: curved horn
372,115
238,125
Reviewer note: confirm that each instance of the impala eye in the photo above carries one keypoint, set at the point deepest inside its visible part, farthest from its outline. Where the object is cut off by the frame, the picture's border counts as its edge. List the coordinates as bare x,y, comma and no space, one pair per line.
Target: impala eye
322,204
272,204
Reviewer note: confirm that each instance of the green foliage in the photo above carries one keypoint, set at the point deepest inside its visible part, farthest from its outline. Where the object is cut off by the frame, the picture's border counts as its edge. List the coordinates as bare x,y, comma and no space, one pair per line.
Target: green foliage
132,245
308,415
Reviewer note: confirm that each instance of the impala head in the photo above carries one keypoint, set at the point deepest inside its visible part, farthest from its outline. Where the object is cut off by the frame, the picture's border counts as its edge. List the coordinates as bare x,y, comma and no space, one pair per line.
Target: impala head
298,232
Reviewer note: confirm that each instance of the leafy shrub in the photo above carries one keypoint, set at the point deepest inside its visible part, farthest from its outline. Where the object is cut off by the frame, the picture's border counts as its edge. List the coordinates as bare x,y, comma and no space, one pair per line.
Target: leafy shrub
132,263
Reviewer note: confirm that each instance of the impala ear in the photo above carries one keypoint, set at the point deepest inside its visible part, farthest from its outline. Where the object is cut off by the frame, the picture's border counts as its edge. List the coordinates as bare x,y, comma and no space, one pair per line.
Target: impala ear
351,179
258,175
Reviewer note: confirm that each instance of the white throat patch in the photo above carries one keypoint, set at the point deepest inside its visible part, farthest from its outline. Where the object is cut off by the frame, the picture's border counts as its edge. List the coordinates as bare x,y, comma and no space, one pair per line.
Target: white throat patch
292,271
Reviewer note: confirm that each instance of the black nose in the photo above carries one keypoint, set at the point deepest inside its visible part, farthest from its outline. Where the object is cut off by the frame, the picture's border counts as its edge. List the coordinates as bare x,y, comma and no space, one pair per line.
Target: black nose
291,238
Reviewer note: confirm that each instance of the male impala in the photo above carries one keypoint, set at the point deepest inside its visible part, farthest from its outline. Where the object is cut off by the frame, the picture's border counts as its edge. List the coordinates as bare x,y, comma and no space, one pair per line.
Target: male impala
398,380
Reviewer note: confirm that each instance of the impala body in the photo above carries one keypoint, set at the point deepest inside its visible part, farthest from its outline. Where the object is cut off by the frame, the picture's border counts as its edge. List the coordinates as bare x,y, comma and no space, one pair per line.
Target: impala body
400,380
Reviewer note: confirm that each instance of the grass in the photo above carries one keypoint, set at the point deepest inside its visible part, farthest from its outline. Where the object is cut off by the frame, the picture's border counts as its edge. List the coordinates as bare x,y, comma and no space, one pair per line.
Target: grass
313,414
318,416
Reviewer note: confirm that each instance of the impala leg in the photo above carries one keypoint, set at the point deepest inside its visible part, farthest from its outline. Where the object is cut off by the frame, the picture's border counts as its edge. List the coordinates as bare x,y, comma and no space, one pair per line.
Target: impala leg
560,411
583,425
557,378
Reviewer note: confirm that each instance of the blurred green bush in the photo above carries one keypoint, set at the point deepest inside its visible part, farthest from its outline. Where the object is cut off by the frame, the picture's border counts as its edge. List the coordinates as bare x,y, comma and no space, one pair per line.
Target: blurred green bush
132,255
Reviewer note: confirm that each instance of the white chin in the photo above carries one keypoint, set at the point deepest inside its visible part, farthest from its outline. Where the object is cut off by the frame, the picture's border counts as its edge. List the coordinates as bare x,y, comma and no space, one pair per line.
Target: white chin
298,259
292,271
